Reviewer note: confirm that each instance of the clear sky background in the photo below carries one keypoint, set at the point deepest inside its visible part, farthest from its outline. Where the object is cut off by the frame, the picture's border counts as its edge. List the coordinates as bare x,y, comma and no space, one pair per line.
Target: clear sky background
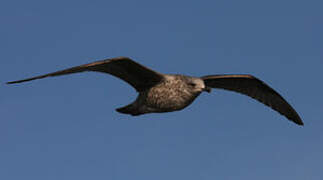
66,127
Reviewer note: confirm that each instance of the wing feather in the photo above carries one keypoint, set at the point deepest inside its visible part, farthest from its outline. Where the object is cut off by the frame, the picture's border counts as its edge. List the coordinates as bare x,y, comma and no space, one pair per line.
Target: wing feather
139,76
255,88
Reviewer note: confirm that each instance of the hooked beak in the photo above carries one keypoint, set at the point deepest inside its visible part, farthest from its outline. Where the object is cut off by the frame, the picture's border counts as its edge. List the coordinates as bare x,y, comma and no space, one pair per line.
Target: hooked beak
207,89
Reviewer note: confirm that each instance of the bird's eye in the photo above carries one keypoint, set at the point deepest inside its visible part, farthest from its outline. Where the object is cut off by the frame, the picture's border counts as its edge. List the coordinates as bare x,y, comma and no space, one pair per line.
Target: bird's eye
192,84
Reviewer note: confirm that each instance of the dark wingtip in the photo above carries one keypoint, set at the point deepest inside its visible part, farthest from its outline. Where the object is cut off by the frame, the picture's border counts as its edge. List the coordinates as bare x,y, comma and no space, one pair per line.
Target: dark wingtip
298,121
13,82
24,80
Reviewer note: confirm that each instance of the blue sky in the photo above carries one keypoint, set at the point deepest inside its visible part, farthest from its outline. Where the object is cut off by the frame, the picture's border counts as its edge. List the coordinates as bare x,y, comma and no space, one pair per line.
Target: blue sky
67,128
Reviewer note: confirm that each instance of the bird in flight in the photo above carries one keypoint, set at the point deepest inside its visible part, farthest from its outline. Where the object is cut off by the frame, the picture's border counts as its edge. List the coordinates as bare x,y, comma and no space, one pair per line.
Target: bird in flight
172,92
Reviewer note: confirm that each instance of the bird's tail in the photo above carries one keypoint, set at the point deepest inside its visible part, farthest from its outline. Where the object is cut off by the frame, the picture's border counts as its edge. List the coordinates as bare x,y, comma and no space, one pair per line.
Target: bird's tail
129,109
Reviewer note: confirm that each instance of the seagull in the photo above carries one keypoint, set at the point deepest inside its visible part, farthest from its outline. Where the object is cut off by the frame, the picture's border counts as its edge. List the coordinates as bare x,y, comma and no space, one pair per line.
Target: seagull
159,92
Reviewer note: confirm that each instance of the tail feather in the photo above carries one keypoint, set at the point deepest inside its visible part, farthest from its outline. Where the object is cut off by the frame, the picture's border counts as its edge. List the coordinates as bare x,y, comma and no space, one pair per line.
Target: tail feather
129,109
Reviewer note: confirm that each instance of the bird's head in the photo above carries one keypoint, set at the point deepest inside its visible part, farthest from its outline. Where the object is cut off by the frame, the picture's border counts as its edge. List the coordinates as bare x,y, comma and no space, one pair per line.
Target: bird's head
197,85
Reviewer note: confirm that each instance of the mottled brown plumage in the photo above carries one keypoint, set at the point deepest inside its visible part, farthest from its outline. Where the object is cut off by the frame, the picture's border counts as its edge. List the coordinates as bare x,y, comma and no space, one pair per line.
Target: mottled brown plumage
165,93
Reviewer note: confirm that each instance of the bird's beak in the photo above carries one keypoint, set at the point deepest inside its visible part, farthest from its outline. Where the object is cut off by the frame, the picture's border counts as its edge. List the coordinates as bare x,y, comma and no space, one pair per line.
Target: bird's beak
207,89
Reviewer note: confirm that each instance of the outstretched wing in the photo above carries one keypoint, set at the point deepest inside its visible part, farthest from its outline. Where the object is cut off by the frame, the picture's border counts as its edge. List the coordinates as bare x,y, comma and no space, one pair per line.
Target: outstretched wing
255,88
139,76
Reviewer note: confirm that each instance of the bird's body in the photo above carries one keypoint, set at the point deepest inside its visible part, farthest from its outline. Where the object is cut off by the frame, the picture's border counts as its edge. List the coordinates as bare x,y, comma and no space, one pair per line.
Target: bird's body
173,93
165,93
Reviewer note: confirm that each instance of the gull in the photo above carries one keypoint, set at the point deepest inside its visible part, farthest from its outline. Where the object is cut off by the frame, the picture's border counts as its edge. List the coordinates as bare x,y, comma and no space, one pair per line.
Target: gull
158,92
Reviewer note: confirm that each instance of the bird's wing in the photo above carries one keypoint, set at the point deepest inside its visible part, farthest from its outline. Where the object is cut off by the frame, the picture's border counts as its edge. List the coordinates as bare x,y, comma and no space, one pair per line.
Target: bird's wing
139,76
255,88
